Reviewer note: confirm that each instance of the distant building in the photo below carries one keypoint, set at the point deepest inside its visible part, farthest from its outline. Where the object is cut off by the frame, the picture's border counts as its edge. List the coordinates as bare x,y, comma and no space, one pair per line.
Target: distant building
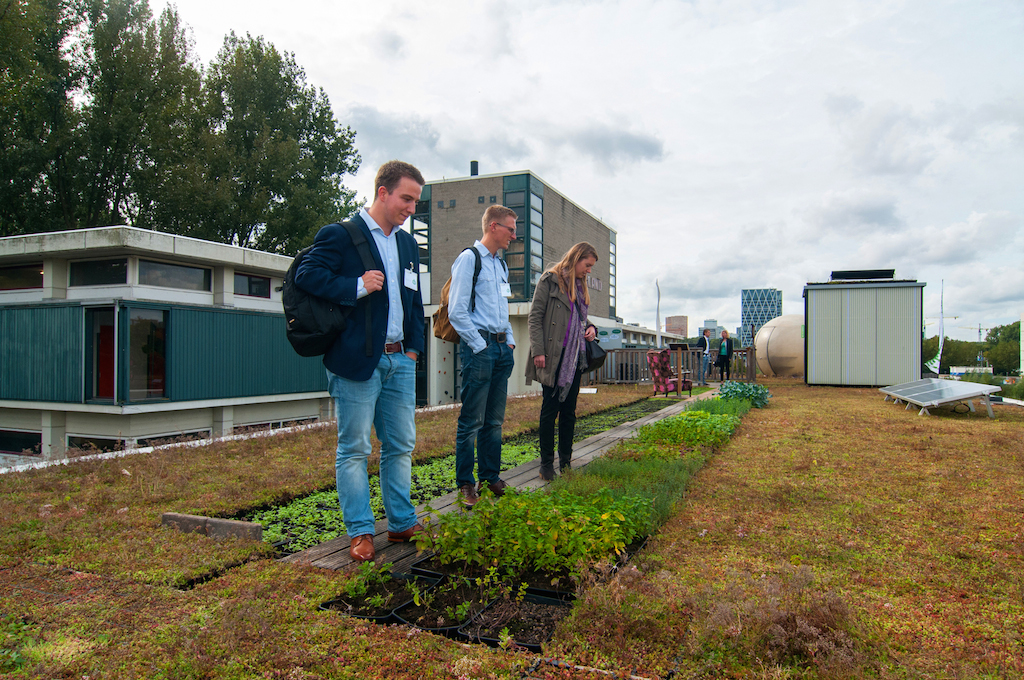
116,337
758,306
677,325
711,325
447,221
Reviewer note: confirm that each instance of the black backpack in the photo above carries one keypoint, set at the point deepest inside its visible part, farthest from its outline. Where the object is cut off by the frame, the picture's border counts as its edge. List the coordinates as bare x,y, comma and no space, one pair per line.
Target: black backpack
314,323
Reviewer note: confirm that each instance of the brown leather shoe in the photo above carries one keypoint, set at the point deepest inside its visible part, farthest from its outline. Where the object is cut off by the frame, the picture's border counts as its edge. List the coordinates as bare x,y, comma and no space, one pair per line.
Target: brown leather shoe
497,487
468,495
405,536
361,548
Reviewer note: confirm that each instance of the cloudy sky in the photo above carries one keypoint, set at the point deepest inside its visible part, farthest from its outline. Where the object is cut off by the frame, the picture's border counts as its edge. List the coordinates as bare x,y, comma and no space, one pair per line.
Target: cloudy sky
731,144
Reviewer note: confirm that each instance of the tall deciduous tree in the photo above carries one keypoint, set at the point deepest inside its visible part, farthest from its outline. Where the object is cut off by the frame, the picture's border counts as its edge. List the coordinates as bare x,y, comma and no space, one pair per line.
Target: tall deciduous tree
107,119
1003,349
275,154
37,118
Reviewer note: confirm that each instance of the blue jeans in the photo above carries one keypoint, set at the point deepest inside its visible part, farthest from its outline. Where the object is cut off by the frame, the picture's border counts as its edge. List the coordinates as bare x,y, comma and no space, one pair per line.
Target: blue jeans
484,392
388,402
702,374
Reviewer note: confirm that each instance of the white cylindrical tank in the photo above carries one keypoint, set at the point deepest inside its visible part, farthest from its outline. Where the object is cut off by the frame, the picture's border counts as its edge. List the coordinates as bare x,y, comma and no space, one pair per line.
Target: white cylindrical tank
780,347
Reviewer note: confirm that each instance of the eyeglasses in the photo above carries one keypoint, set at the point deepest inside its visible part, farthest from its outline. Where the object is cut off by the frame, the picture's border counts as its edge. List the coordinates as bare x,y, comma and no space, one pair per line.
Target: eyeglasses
511,230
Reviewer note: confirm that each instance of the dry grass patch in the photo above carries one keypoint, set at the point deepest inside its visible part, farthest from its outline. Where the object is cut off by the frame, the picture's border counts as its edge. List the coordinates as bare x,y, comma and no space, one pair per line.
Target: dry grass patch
913,523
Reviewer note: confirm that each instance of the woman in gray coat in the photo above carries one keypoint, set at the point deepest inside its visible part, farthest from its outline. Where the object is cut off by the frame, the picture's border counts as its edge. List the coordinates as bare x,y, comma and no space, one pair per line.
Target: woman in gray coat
558,331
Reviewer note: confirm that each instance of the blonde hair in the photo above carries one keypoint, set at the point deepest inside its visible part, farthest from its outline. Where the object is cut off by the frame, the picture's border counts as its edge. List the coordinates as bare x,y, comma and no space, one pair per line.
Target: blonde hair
496,213
565,269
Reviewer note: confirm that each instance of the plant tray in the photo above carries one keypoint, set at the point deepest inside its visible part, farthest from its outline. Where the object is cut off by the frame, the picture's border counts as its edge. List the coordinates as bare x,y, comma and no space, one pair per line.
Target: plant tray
431,567
530,623
539,583
396,590
434,617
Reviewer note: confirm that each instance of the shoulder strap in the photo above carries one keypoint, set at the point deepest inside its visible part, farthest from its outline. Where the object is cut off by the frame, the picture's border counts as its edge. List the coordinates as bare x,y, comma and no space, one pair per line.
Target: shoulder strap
363,248
476,275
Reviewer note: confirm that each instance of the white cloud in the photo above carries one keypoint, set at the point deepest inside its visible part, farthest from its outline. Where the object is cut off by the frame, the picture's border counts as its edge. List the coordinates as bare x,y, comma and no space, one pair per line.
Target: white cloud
732,144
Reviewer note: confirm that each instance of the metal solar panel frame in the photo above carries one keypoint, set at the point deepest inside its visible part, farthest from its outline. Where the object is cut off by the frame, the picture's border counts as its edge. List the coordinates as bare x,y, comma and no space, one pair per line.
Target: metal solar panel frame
931,392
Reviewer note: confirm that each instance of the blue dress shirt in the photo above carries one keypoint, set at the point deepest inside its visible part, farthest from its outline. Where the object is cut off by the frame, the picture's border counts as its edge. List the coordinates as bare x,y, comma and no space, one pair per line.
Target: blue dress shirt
387,246
491,313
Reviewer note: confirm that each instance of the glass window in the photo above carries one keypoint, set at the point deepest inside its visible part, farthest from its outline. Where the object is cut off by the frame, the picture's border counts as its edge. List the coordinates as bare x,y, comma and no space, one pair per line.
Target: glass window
99,273
99,324
451,203
494,199
536,264
147,354
175,438
536,217
611,279
22,276
536,202
440,204
95,444
514,198
535,277
27,443
611,267
173,276
537,233
480,199
611,248
536,248
514,260
255,286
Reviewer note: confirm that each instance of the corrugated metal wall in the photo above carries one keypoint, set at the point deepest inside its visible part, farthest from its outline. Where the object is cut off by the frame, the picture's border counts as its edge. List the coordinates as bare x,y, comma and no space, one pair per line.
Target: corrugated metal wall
868,335
899,356
824,337
41,353
214,353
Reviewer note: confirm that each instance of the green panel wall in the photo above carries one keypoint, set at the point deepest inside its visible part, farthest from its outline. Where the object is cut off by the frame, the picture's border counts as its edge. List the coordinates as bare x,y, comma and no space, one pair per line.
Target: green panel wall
216,353
41,355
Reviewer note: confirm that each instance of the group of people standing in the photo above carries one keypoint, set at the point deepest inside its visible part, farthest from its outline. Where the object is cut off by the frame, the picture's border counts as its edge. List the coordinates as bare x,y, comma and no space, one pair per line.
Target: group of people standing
372,373
722,356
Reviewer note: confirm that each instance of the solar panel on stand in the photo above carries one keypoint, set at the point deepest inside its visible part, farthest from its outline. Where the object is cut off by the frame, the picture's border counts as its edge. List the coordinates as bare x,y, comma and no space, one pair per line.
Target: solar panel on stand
931,392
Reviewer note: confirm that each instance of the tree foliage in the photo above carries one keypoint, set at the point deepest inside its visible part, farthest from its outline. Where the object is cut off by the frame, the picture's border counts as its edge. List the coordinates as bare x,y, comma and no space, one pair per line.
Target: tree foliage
109,119
1001,349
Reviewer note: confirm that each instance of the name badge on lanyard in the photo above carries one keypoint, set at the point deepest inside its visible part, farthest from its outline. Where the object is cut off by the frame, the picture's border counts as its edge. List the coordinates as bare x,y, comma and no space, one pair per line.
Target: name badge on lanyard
505,289
412,282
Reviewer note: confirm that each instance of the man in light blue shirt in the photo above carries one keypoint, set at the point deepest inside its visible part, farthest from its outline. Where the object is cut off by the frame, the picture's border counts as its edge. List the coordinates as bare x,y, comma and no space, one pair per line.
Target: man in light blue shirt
481,320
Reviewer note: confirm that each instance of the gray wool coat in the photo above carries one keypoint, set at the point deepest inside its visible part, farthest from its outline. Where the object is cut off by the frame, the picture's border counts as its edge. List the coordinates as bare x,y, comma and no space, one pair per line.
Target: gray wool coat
548,321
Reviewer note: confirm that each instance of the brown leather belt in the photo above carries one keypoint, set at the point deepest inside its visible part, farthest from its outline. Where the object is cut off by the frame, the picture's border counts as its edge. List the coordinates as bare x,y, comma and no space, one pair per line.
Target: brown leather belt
497,337
392,348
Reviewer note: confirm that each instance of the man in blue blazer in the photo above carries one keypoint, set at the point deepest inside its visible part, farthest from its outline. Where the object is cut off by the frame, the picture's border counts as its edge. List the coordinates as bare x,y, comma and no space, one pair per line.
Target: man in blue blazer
374,382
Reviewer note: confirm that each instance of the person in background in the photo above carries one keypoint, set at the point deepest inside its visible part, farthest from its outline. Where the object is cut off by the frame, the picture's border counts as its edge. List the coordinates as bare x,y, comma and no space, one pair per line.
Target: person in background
724,356
486,353
558,331
704,345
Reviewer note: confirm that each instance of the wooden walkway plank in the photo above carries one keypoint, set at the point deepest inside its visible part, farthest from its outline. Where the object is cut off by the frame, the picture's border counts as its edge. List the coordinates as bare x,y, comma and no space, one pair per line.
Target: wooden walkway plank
333,554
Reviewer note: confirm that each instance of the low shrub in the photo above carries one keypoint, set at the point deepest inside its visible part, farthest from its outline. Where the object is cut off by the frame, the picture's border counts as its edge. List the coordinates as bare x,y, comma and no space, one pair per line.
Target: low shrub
691,429
536,530
658,474
718,406
757,395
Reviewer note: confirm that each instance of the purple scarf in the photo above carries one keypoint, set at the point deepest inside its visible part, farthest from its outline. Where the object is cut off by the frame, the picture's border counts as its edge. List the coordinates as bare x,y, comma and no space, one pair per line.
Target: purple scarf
573,345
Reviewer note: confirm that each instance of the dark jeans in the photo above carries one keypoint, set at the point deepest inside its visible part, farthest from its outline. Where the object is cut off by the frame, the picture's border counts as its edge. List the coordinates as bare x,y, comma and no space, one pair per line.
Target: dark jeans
565,411
484,392
723,368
